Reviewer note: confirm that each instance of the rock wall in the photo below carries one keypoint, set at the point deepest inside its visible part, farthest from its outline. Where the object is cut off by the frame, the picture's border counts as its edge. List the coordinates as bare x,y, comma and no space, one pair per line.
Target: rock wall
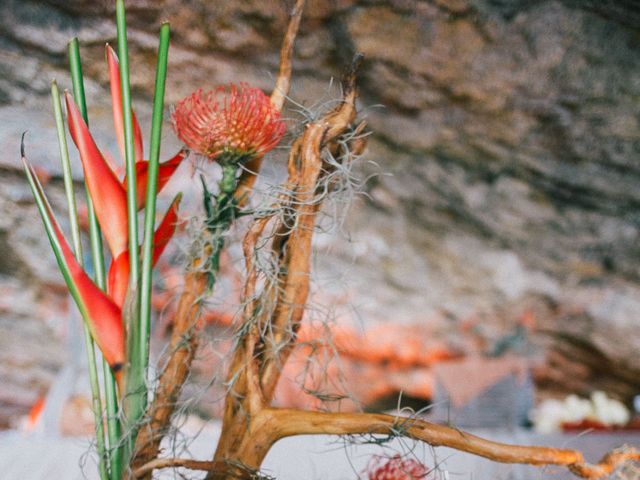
506,144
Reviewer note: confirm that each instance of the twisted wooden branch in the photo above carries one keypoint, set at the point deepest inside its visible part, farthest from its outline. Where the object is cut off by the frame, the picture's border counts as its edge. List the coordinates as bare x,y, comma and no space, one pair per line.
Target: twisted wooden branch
183,344
235,472
270,323
273,424
289,422
278,96
295,243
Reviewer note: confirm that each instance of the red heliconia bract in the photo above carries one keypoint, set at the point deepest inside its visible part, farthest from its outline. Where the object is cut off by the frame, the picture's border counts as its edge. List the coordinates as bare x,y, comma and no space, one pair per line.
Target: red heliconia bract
118,277
108,195
106,325
234,121
165,172
116,106
396,468
103,316
110,202
165,169
103,311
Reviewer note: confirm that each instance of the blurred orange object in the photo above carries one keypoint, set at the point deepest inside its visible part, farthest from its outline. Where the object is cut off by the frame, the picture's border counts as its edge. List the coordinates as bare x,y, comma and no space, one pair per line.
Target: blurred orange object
77,417
34,414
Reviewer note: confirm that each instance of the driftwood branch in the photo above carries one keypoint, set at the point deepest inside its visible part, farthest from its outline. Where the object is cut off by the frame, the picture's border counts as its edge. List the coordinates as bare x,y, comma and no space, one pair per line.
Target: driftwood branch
270,323
278,96
183,344
282,423
230,471
283,81
296,253
291,422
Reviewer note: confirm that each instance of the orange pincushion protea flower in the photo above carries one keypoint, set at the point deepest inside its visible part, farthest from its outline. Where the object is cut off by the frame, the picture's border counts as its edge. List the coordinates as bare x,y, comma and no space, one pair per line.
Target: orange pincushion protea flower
230,123
396,468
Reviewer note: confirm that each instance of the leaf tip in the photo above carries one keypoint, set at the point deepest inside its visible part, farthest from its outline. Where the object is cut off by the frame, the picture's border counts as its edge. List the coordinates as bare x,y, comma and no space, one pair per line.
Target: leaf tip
22,154
111,53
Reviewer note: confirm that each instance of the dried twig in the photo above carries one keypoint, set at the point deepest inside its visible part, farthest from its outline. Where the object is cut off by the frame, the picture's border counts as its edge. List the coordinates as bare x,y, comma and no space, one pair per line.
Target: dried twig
184,342
250,425
297,252
229,470
280,91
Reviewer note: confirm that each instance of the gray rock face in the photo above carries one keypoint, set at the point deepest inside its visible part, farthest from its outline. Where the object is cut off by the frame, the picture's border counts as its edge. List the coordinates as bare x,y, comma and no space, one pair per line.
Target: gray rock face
30,348
510,131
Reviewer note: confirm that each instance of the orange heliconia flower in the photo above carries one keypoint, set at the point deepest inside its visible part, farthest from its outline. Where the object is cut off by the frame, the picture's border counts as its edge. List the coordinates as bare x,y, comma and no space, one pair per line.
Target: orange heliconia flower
230,123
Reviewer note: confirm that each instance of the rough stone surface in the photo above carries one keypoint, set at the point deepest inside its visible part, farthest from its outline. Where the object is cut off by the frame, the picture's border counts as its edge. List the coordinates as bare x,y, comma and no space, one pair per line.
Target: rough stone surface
505,135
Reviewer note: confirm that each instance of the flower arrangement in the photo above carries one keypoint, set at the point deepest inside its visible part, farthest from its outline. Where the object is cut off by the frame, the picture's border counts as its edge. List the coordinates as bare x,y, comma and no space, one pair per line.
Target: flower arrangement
233,126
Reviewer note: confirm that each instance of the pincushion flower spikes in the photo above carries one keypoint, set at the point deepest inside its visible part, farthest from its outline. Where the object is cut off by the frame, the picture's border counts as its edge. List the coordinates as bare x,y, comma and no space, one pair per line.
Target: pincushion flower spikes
230,125
103,311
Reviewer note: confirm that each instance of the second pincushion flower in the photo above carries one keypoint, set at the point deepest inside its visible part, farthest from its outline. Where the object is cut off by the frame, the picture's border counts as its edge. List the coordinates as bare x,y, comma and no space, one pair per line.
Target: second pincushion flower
229,124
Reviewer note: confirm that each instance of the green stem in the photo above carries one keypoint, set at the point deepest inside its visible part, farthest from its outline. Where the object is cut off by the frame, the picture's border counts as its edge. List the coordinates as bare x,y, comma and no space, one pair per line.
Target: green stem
96,402
78,87
135,378
66,172
94,228
150,204
132,207
113,423
220,215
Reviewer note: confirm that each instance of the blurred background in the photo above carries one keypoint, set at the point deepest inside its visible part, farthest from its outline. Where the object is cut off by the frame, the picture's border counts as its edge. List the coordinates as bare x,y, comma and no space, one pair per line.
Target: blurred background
495,255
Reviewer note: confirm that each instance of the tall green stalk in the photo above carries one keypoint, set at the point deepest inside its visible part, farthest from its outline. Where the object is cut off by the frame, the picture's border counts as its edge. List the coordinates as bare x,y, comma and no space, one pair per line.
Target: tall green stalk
113,424
152,187
135,400
129,149
94,229
94,382
66,172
